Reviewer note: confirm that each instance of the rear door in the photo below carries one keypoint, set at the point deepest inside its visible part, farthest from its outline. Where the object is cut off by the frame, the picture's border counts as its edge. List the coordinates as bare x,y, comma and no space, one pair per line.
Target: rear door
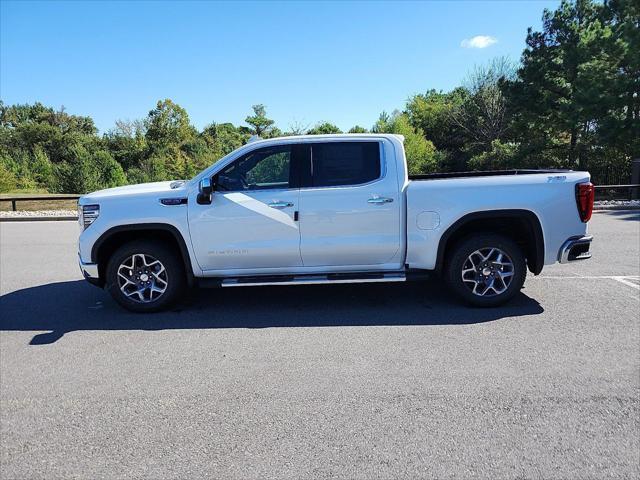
350,209
250,224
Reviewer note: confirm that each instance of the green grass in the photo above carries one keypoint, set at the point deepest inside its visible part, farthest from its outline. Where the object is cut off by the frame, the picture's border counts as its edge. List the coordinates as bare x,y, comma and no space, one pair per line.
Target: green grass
30,191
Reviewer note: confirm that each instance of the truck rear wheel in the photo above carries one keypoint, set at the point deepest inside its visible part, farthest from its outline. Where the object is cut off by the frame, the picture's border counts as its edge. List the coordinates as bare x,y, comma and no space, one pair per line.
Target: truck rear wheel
144,276
486,270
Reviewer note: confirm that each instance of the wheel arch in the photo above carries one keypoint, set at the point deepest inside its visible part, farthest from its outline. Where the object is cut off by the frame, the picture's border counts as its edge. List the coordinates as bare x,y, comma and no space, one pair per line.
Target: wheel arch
117,236
522,226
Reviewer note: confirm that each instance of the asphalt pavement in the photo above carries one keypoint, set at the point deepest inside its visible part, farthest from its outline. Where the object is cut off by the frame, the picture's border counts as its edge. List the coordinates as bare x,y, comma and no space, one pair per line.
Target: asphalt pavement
345,381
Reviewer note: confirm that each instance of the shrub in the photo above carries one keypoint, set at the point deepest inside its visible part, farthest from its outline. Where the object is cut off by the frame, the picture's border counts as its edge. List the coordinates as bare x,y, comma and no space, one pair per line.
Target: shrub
8,180
500,157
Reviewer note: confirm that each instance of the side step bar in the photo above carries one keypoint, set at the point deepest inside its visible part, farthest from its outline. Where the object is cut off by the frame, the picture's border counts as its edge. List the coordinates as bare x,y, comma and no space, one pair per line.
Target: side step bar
313,279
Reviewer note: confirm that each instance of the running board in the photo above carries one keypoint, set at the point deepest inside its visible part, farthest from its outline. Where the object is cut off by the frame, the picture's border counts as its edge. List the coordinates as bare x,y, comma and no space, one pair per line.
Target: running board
313,279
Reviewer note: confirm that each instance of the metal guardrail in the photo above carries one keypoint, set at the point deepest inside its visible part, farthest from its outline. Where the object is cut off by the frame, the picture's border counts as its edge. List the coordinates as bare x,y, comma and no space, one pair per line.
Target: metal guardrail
607,191
21,198
632,185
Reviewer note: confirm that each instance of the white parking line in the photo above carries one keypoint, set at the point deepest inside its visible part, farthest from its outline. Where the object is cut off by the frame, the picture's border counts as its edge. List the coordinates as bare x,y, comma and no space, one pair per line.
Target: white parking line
626,280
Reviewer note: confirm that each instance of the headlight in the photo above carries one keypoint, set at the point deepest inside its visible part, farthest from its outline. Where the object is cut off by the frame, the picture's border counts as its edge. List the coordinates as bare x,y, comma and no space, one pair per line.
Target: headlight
87,214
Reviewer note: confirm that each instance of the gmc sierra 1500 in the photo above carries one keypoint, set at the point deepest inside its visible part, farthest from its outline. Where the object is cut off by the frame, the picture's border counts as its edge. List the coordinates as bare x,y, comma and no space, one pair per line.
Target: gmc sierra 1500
331,209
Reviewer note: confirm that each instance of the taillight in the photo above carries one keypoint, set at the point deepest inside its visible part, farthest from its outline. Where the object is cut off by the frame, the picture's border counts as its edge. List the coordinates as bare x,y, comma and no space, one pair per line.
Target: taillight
585,194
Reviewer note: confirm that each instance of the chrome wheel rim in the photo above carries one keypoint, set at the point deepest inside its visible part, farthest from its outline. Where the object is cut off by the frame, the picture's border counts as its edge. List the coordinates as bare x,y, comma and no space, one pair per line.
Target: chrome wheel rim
142,278
487,272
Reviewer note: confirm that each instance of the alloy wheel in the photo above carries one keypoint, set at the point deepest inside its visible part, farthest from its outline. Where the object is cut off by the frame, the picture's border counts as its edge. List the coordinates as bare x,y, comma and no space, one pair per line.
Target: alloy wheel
488,272
142,278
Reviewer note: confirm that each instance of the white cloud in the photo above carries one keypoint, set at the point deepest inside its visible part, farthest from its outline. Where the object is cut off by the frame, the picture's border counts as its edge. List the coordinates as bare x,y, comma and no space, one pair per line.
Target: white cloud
479,41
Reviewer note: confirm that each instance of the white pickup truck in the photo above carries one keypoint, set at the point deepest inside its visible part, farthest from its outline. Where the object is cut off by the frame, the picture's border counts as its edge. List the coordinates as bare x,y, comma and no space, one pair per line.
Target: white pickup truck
331,209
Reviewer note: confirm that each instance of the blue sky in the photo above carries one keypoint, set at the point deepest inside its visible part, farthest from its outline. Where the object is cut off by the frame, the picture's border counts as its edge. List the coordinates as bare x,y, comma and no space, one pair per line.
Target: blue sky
307,62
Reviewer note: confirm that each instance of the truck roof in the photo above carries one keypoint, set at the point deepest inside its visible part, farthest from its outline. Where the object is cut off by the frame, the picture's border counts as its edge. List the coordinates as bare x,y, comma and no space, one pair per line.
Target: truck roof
333,136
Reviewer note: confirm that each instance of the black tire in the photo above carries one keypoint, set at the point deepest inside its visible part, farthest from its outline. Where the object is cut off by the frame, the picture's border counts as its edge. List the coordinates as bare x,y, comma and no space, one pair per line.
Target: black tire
173,274
476,280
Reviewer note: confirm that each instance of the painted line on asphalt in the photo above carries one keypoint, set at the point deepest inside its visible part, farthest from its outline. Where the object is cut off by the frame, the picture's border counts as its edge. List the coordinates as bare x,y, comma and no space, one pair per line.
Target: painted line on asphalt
625,280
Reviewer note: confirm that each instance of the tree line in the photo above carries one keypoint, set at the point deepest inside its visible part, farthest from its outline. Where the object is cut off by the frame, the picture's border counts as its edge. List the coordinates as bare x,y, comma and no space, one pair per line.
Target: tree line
572,101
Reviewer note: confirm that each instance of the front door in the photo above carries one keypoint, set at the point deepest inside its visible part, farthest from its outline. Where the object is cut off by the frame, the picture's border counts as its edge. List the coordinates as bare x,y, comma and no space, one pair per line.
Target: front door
250,224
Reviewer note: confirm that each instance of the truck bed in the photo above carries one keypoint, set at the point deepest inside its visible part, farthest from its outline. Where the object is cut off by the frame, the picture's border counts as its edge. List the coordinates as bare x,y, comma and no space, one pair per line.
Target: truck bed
484,173
435,206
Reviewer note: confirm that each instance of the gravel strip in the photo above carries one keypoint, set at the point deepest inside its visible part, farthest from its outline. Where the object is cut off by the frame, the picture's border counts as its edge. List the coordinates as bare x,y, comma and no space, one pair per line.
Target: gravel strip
39,213
617,203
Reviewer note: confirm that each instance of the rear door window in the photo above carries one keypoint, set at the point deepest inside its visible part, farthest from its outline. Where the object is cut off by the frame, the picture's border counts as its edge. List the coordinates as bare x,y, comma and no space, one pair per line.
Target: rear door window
344,163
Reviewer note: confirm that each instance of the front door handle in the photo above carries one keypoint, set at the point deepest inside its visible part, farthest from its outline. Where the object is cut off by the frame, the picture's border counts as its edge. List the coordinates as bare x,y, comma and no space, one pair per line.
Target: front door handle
379,200
280,204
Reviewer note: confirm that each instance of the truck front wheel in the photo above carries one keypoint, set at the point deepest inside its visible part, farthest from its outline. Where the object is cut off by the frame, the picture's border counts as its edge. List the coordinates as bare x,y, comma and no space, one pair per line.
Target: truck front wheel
486,270
144,276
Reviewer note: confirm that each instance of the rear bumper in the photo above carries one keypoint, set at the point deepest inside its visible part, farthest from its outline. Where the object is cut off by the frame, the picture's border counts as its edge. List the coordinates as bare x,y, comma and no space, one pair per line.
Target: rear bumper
90,272
575,248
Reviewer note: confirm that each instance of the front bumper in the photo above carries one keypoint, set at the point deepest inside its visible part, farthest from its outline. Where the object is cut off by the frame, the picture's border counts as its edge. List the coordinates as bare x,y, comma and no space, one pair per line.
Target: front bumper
575,248
90,272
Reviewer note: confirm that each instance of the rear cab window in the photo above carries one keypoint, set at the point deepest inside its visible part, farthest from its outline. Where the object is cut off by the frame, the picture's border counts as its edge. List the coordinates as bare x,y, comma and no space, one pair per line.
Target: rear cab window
344,163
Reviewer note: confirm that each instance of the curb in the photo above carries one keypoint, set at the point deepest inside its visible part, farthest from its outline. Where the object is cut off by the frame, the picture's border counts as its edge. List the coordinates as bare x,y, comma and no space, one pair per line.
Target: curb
604,208
37,219
75,219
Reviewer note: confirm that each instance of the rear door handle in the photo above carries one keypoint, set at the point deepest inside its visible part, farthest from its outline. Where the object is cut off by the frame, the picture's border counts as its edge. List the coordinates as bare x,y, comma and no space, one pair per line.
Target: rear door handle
379,200
280,204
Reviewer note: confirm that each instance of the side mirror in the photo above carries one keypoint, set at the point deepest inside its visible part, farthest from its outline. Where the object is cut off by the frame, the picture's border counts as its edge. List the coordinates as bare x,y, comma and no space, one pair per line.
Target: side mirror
205,195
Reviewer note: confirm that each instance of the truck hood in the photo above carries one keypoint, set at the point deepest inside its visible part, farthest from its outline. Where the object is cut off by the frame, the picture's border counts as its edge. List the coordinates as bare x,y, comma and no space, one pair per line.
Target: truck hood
172,188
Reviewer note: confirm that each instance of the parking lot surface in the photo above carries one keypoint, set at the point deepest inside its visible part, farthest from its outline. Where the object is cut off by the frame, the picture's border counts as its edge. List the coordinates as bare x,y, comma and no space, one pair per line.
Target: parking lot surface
344,381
